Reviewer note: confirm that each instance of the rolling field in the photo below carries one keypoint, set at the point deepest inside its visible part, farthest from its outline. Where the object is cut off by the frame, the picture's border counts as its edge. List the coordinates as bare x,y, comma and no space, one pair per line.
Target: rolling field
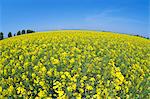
74,65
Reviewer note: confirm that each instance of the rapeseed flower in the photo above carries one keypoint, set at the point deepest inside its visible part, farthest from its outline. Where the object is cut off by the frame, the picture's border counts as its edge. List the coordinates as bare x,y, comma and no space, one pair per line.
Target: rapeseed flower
55,61
72,61
74,64
41,94
1,89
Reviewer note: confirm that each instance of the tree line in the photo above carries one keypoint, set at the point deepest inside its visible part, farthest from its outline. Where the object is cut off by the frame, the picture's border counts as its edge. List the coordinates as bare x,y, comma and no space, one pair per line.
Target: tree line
18,33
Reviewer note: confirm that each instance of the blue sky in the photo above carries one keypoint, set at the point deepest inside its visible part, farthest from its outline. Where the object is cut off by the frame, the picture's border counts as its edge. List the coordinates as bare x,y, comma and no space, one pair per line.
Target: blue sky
125,16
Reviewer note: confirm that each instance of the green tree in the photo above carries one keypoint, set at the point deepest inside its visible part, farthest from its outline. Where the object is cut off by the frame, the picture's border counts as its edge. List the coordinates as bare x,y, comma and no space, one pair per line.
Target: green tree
1,35
30,31
9,34
18,33
23,32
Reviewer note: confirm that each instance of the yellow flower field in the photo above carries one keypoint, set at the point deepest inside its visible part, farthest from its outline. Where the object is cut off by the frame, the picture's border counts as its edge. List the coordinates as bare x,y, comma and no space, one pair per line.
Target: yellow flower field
74,65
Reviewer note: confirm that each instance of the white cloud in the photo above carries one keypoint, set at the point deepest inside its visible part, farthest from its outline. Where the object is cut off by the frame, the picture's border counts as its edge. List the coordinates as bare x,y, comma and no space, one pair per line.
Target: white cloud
112,20
110,15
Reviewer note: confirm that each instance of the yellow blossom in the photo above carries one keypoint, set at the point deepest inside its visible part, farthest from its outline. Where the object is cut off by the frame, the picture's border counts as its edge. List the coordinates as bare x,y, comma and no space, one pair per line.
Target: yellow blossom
72,61
118,88
1,89
88,87
63,76
41,94
55,61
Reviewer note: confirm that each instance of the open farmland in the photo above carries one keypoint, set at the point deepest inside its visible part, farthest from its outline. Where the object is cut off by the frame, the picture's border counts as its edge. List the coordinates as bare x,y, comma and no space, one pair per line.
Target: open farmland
75,64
